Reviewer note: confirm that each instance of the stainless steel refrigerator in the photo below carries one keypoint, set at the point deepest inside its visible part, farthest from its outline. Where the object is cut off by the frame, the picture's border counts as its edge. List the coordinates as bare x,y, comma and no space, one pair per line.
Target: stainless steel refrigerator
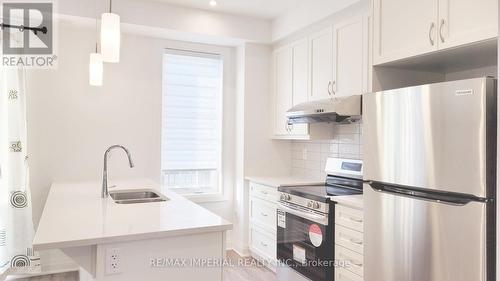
430,166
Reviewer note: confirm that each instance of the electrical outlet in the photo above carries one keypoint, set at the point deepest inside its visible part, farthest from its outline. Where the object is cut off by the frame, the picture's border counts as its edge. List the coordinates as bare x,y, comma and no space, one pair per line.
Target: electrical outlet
304,154
113,265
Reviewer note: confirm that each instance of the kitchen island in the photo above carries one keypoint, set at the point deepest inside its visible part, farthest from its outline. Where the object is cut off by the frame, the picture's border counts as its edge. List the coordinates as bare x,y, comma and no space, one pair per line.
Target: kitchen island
175,239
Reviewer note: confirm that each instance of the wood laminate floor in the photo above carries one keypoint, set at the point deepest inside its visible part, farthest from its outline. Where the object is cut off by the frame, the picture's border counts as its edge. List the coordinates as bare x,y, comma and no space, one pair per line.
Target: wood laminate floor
246,273
237,273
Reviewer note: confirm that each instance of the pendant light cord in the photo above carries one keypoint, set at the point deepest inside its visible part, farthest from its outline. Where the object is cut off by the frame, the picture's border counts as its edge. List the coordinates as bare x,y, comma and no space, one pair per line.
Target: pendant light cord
96,28
110,5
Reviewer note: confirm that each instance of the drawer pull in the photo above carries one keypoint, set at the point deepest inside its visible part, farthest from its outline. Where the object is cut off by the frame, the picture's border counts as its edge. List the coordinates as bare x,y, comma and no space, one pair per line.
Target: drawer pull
263,214
264,192
351,218
355,241
350,260
356,220
263,244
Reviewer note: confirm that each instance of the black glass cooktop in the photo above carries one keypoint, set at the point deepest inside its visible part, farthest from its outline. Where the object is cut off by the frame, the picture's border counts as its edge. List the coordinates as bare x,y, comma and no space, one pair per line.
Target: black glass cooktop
322,193
319,192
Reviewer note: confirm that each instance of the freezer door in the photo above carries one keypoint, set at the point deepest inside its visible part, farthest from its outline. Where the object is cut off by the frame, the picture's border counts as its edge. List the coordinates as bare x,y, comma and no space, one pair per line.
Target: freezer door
439,136
408,239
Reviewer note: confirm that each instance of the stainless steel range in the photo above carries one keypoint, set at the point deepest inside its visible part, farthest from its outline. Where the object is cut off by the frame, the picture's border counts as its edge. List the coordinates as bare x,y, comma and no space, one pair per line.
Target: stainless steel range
305,222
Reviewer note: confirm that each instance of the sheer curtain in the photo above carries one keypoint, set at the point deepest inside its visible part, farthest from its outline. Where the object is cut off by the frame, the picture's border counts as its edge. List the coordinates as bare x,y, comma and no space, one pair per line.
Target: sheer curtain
16,224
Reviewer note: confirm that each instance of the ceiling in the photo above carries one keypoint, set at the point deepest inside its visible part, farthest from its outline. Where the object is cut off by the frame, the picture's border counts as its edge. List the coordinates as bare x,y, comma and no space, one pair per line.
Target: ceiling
266,9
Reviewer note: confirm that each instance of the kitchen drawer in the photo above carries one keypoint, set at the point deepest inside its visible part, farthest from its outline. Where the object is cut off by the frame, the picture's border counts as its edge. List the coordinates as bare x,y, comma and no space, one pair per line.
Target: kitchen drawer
264,192
349,217
263,213
342,274
348,238
264,243
355,260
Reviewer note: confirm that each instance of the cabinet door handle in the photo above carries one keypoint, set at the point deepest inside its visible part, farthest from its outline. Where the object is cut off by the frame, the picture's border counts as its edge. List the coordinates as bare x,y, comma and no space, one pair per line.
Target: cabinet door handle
441,30
430,33
329,88
263,214
333,85
263,244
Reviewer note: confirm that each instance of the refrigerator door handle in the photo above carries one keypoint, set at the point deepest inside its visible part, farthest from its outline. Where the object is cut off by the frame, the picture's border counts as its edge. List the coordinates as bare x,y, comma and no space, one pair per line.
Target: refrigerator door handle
456,199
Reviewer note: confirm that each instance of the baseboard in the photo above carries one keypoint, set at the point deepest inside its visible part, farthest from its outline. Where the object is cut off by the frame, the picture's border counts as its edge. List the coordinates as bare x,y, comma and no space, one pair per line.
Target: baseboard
245,252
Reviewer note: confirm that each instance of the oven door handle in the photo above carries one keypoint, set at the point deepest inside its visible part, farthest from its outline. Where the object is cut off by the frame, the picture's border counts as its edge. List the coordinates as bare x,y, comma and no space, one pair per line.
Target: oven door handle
323,220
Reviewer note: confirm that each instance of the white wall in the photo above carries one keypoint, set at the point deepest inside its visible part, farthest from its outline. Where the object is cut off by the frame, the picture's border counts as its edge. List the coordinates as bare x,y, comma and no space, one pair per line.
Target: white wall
257,153
473,73
263,156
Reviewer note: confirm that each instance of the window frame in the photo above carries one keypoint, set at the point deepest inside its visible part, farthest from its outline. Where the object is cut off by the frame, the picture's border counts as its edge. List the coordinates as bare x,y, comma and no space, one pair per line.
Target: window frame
224,54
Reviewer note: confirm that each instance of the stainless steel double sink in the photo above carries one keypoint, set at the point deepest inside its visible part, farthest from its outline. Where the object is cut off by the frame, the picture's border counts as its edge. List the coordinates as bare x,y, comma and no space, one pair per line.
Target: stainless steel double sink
136,196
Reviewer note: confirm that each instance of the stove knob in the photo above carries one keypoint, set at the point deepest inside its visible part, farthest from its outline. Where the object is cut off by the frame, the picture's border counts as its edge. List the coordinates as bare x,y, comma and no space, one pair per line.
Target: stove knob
282,197
316,205
288,197
310,204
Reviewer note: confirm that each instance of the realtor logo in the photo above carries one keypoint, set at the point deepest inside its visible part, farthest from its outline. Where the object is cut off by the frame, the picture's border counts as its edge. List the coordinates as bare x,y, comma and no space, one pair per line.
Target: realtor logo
28,34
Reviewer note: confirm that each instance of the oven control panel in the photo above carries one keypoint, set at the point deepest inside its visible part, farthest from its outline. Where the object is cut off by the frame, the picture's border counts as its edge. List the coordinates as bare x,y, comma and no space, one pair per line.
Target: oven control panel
285,197
304,202
313,205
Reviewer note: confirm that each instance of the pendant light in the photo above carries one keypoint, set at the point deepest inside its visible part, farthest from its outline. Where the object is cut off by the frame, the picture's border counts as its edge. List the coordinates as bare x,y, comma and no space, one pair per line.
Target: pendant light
95,68
95,63
110,36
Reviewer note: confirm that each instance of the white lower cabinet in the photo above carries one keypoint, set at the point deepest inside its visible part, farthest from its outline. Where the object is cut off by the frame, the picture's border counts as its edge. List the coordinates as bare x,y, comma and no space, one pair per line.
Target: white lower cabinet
263,213
354,259
348,243
345,275
263,243
263,210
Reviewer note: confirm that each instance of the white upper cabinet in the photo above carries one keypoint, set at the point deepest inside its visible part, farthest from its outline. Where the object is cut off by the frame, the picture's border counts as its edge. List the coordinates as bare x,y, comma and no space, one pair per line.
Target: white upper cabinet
321,45
327,64
300,80
350,58
407,28
404,28
466,21
283,89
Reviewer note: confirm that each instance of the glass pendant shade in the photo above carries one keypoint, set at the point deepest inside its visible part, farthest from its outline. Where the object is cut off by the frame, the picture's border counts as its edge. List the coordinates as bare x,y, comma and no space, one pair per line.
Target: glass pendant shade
110,37
95,69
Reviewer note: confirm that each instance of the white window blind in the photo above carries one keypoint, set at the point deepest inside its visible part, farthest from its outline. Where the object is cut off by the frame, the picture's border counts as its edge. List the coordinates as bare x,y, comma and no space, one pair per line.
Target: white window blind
192,121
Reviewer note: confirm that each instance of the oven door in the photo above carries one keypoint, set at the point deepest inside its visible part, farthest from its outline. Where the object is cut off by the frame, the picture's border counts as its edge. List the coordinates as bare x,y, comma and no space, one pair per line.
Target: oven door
305,242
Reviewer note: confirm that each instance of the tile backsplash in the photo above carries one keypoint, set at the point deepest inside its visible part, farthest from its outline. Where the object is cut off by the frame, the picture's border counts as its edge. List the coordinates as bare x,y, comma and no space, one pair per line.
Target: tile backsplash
309,157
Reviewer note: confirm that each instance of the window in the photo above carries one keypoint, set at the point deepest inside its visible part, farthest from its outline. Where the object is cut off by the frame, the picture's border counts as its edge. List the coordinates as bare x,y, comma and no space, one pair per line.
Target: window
192,122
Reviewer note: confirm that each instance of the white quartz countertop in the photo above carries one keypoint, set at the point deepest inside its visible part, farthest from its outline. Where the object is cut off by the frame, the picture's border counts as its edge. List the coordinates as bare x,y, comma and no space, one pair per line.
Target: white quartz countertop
75,215
354,201
284,181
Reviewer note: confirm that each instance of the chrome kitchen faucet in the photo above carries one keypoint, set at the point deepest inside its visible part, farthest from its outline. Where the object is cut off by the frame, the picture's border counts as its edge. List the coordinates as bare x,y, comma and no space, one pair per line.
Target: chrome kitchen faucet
105,192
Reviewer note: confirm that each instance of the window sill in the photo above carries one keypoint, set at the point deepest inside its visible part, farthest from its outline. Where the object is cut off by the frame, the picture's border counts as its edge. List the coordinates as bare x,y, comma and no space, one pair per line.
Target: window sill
205,198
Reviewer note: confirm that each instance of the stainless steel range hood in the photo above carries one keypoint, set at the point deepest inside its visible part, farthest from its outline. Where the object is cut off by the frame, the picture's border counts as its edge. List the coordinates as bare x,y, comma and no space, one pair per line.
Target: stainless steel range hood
342,110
